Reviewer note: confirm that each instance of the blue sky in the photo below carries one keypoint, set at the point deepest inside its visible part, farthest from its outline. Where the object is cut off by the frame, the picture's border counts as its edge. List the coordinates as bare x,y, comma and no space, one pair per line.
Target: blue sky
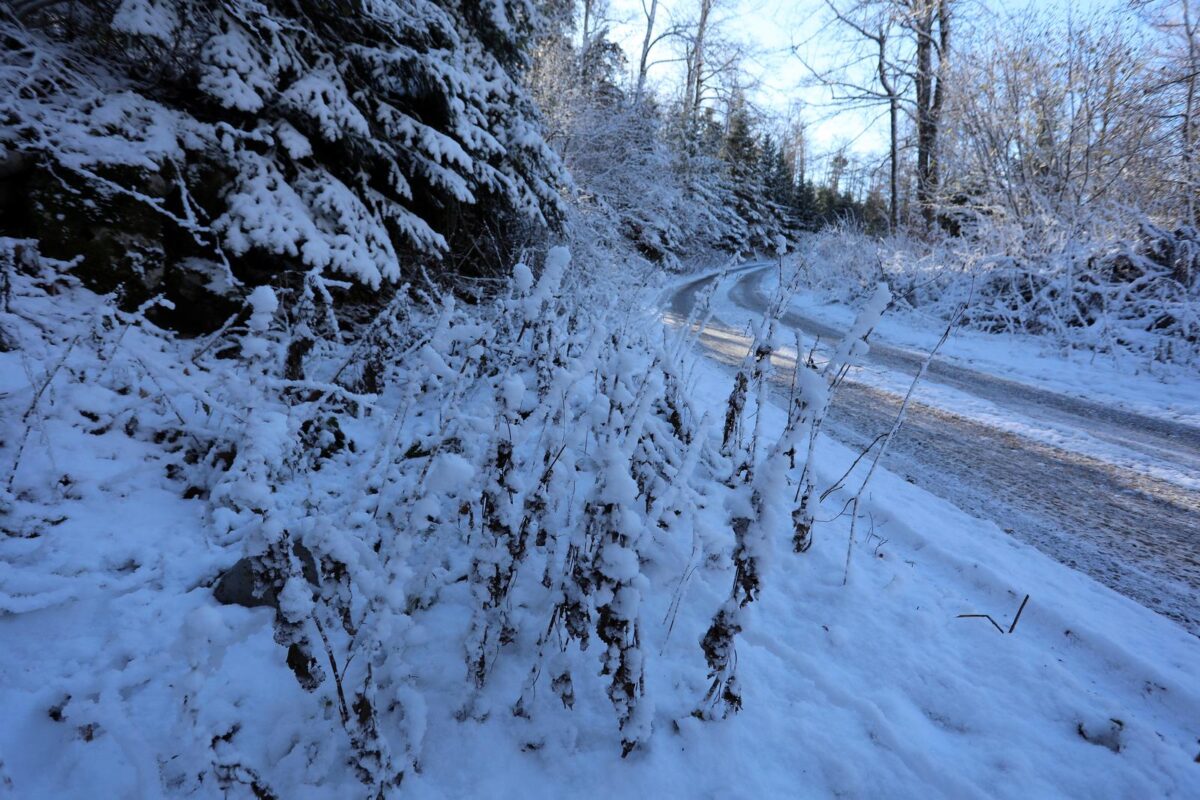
773,27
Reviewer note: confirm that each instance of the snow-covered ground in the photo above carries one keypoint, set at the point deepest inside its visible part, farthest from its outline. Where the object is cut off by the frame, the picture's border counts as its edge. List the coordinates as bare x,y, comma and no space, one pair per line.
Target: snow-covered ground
1107,491
1165,391
113,653
874,689
878,688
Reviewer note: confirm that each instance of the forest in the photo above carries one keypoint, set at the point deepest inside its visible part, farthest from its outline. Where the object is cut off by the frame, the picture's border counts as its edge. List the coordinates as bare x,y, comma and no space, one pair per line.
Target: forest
554,398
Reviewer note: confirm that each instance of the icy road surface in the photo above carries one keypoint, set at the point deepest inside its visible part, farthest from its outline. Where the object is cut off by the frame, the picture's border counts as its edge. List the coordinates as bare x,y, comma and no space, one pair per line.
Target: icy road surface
1109,492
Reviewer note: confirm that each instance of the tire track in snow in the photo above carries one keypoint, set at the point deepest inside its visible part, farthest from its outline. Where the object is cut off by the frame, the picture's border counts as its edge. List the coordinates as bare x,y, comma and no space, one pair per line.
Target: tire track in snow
1150,436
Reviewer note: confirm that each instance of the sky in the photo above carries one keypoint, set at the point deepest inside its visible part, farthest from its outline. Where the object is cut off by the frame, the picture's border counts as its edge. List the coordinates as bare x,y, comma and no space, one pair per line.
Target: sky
776,30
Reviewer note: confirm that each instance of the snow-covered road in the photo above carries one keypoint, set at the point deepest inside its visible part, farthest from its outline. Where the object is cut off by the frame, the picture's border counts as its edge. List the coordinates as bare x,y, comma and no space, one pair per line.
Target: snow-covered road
1113,493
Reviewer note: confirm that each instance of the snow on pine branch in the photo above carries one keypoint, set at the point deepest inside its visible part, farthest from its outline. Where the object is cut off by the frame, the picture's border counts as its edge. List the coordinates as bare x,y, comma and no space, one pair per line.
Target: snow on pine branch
295,135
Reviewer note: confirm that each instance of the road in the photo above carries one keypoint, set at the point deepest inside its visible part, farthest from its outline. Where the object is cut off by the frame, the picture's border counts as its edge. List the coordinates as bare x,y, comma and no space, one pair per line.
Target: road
1133,532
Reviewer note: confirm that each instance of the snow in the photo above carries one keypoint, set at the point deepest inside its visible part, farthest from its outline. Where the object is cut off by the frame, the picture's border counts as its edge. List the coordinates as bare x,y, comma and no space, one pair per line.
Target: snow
1172,395
522,278
315,217
94,115
121,676
435,543
295,143
854,345
512,391
1104,492
295,600
263,305
548,283
233,73
1060,436
450,474
879,690
1168,392
322,96
145,18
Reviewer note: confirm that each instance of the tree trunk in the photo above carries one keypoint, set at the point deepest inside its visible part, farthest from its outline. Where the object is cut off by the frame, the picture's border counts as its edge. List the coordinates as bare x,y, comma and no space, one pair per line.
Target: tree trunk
1188,128
647,43
931,95
893,130
694,92
586,43
939,96
893,167
923,24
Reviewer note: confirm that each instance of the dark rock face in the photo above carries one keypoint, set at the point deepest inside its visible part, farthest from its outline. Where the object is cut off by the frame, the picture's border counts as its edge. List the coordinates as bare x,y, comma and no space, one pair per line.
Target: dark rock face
239,586
116,240
120,242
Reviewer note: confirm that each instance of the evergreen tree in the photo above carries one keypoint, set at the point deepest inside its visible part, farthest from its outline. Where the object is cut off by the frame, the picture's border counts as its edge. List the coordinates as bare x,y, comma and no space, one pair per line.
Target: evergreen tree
804,205
262,137
747,164
777,172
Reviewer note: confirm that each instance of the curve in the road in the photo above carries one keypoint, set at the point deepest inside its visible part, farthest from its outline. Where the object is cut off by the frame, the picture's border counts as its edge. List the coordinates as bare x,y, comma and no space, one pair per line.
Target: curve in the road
1149,435
1134,533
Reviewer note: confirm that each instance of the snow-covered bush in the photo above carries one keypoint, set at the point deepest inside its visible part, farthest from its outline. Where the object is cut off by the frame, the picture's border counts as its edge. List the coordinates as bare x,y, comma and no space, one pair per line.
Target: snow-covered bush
771,484
646,184
436,514
192,147
425,506
1130,294
1135,294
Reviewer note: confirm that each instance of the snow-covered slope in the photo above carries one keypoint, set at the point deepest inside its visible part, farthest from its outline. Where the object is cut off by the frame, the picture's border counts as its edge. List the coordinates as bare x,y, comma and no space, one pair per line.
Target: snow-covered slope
121,676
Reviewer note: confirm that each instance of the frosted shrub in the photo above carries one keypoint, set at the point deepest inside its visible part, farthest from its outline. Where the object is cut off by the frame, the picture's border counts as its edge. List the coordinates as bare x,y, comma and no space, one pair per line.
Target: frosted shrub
1103,287
514,477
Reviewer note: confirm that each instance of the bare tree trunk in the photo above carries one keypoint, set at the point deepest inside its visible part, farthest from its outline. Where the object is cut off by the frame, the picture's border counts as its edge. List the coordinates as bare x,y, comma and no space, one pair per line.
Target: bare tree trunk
923,25
893,158
1190,188
586,44
647,43
939,94
694,90
800,154
587,21
873,21
893,131
931,95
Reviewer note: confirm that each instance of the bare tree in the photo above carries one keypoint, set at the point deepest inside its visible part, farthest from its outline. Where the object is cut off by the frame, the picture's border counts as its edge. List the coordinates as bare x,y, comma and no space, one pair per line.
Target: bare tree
651,12
652,38
794,143
930,23
594,30
1057,120
714,62
1177,22
694,82
873,23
